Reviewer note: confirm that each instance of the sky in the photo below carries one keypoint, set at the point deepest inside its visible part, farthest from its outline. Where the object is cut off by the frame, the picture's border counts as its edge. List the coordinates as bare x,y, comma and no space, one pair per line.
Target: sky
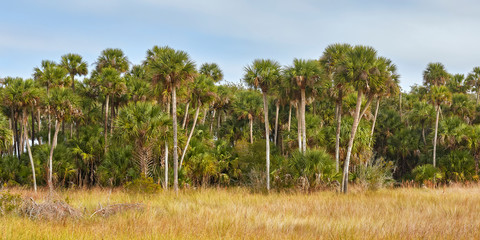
232,34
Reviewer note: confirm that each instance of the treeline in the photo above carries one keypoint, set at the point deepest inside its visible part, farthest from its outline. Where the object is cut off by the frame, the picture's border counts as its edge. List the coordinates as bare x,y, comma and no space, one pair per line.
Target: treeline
314,124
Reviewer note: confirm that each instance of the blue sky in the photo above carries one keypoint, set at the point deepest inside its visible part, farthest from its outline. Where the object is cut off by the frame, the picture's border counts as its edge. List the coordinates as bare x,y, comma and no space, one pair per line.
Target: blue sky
234,33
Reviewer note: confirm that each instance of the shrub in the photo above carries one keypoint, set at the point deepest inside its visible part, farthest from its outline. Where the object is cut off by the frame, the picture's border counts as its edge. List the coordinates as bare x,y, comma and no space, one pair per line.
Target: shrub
375,174
427,172
9,202
142,185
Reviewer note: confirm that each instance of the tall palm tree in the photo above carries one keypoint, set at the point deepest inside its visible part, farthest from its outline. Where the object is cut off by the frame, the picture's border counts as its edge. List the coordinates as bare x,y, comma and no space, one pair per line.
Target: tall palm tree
203,93
23,95
359,70
263,74
74,65
303,73
388,74
330,61
111,84
174,67
64,106
434,78
142,123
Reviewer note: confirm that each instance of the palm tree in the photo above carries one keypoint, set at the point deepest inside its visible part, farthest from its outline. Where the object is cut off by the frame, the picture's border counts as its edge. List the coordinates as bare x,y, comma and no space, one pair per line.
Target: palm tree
303,73
174,67
263,74
434,78
74,65
248,104
389,76
23,95
213,71
360,71
473,80
330,61
203,93
473,143
143,124
113,58
64,106
111,85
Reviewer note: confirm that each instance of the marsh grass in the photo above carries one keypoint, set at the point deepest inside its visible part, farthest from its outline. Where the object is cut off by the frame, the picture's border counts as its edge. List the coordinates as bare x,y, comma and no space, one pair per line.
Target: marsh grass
404,213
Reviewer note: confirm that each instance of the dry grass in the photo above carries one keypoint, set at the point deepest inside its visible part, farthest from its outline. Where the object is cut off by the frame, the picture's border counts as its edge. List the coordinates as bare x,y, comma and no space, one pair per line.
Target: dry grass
450,213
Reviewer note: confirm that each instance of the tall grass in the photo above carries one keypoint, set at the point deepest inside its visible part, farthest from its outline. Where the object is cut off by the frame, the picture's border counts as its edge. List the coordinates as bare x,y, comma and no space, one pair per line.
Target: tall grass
451,213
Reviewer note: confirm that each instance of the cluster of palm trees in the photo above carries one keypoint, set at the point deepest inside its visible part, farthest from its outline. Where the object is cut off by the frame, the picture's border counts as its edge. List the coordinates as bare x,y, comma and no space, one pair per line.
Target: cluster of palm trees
120,107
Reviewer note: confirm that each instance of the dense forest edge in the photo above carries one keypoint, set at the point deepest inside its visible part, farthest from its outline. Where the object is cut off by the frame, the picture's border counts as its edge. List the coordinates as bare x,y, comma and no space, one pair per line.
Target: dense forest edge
168,122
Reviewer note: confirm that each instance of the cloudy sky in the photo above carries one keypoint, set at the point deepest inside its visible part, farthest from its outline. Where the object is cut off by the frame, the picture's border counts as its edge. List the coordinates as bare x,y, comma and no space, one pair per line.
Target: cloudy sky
233,33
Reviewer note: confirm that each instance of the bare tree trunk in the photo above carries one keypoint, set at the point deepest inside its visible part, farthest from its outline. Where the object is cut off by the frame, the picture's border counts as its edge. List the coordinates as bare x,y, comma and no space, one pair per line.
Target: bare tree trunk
39,121
304,128
338,130
190,135
50,160
166,165
175,142
289,116
49,128
213,118
299,128
25,132
356,120
205,111
277,105
251,130
435,138
400,103
185,116
374,121
267,138
105,127
33,127
112,117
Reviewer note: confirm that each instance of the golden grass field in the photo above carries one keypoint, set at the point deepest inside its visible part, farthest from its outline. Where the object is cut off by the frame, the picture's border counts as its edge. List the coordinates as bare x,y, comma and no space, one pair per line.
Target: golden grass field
405,213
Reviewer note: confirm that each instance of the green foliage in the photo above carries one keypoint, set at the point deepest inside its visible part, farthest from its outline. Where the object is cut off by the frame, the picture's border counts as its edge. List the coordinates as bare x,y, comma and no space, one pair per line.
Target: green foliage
458,165
117,167
315,167
427,172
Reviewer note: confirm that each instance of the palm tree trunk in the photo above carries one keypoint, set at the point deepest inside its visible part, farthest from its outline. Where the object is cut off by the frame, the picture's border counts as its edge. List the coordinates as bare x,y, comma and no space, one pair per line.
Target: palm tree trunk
185,116
112,117
49,128
190,135
338,130
39,122
435,138
374,121
400,104
175,143
277,105
165,185
304,129
50,159
267,138
251,130
25,132
356,121
299,128
211,120
205,112
105,127
33,127
423,135
289,116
